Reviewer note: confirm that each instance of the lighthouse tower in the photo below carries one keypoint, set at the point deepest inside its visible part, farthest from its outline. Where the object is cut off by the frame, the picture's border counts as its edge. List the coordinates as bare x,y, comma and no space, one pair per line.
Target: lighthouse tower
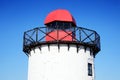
61,50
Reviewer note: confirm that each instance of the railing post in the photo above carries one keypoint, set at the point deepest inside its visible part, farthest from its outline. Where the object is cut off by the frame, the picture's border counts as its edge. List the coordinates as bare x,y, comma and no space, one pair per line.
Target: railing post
24,41
80,34
36,34
57,34
73,34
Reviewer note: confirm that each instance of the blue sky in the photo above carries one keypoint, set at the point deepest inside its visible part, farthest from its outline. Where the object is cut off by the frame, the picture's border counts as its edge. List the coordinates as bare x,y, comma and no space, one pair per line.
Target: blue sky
17,16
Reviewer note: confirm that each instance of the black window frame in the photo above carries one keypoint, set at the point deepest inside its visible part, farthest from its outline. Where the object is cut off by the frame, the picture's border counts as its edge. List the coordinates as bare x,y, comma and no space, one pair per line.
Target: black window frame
90,69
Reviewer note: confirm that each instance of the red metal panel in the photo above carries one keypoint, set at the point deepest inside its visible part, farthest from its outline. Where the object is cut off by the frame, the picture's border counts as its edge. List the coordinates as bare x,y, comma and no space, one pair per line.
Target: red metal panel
59,15
60,35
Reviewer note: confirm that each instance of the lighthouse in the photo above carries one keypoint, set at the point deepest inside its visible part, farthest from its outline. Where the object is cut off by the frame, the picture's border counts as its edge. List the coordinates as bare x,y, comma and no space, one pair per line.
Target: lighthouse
61,50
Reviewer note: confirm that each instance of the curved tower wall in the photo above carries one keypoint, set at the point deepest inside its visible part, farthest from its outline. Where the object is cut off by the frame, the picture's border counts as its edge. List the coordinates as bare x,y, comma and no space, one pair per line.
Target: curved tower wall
61,62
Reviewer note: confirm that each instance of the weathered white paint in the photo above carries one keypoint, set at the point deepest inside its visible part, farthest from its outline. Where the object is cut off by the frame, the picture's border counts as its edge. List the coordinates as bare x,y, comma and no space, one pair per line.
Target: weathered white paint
63,64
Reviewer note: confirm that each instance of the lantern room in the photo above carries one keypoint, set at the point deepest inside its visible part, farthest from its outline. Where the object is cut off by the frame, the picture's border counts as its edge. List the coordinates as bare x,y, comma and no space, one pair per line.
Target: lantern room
60,25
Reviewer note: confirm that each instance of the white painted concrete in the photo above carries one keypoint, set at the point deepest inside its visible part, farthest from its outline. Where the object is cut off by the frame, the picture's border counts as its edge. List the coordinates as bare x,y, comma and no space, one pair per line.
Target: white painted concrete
53,64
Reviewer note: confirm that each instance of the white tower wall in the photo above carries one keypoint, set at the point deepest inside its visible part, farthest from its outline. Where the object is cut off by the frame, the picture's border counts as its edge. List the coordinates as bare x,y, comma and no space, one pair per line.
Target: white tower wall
63,63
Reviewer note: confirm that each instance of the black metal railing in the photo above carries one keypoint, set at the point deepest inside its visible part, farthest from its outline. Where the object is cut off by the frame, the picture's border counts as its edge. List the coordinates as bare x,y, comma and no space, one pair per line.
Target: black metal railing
79,35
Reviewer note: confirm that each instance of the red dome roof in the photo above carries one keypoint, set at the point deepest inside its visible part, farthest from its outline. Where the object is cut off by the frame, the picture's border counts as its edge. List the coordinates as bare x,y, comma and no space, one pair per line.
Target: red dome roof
59,15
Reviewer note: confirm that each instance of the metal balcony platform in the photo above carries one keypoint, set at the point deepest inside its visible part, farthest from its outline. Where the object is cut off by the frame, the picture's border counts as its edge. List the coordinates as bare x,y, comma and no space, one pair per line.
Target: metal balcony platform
82,36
